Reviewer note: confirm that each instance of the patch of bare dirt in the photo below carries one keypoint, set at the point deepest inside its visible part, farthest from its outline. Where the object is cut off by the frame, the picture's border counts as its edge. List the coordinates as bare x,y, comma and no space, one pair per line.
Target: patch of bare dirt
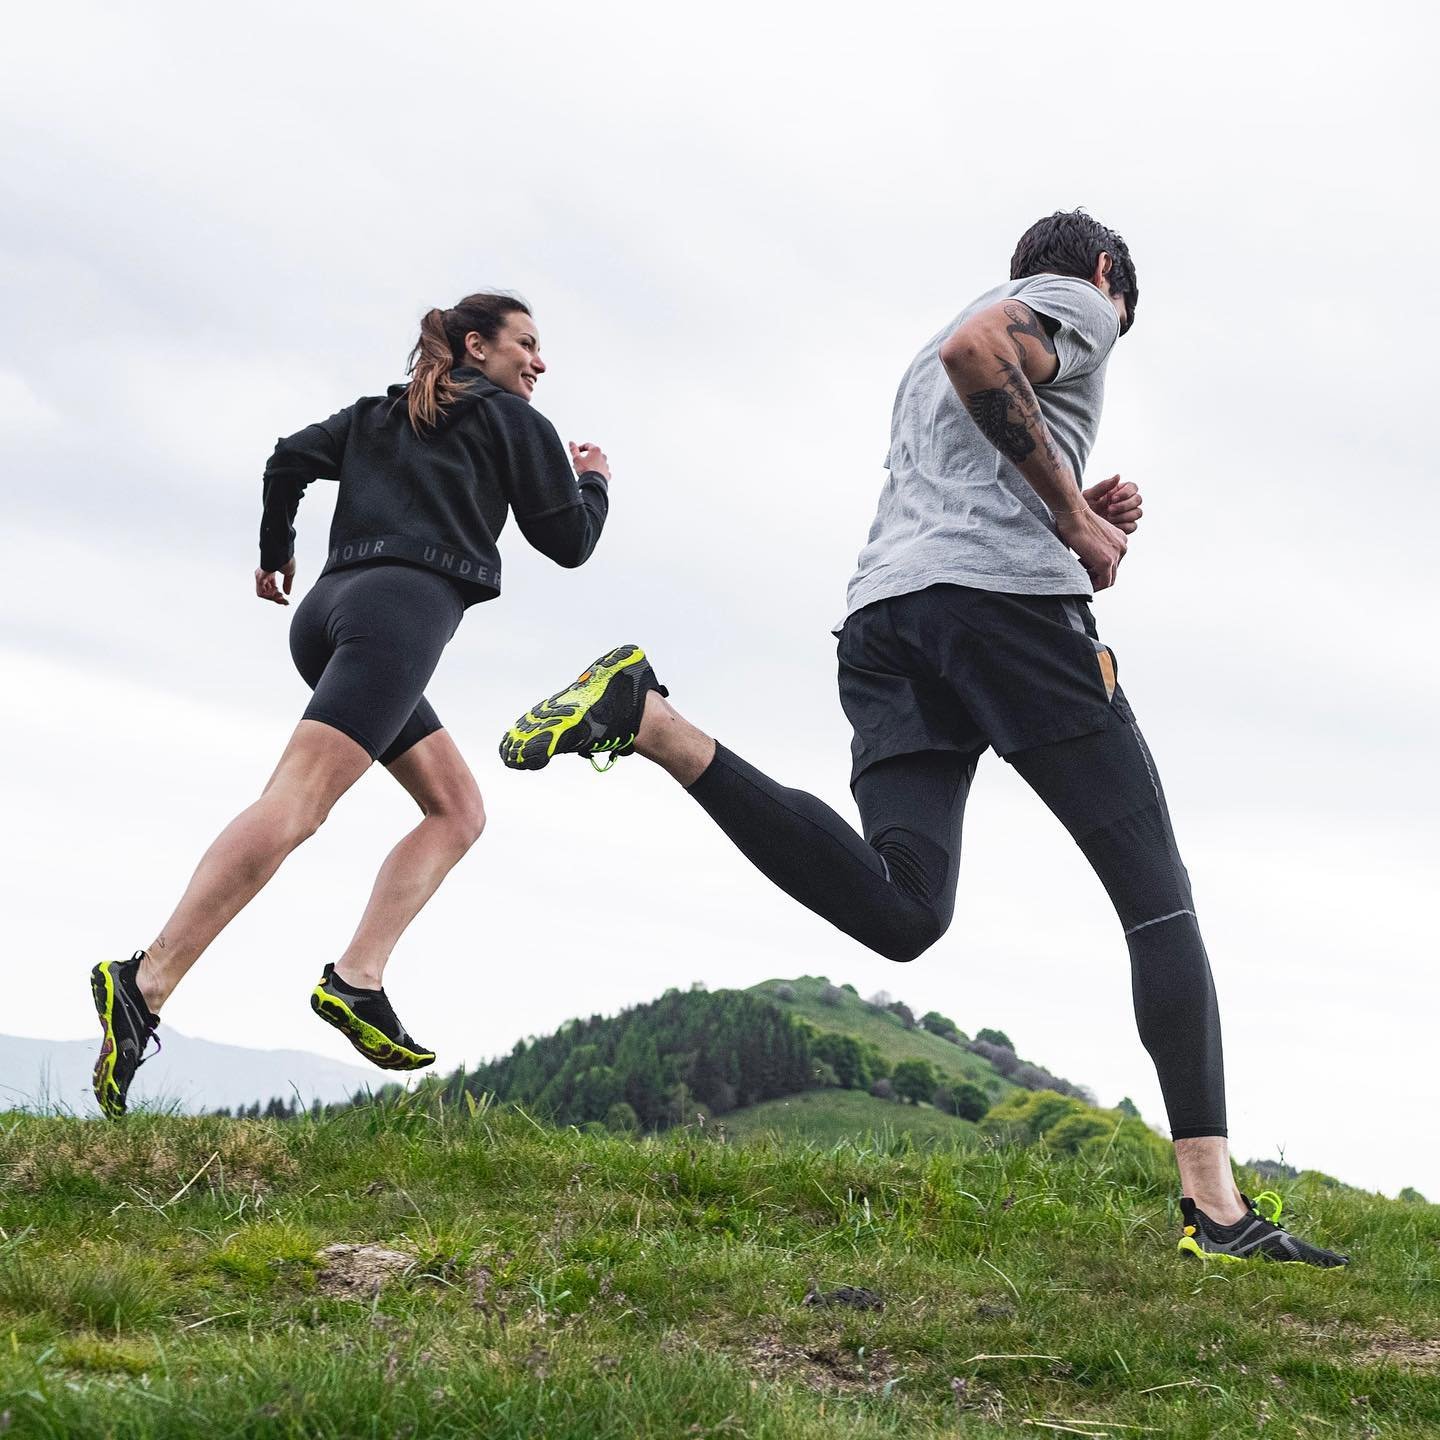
1399,1349
357,1272
1391,1345
821,1366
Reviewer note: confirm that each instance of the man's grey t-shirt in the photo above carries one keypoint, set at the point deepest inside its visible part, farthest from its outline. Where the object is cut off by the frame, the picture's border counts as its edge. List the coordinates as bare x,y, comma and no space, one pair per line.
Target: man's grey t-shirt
954,511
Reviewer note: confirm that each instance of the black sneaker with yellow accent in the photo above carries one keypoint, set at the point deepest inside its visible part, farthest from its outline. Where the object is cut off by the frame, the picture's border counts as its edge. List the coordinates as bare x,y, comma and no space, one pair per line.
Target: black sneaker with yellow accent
599,714
126,1029
367,1020
1252,1237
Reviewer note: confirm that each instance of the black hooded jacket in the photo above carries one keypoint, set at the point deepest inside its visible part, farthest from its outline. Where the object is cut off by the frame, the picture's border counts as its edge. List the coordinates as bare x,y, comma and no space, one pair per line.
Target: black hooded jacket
437,499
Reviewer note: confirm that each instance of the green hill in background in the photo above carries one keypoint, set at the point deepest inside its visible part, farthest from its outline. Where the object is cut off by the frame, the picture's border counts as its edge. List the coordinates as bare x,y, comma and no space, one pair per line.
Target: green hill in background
801,1058
827,1117
838,1008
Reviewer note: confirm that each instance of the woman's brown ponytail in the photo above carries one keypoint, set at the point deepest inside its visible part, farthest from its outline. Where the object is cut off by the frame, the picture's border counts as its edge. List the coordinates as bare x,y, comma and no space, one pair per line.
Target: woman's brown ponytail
441,346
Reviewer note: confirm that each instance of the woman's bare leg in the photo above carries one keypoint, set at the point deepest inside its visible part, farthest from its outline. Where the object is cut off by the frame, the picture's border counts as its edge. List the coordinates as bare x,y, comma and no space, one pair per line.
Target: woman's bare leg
319,765
436,775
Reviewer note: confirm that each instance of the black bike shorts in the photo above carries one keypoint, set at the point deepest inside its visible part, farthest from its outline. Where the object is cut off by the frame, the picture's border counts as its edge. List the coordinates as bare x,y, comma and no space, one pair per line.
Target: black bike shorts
367,640
950,668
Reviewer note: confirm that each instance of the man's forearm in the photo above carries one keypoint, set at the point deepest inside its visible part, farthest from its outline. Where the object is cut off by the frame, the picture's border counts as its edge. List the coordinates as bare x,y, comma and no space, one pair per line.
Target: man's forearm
1002,403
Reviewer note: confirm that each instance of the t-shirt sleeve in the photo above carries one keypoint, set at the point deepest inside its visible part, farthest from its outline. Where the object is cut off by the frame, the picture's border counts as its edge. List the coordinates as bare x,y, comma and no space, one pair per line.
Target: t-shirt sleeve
1087,323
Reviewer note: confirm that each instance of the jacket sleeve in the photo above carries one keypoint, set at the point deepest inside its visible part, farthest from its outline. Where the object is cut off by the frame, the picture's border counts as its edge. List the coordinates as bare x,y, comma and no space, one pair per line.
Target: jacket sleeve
560,516
313,453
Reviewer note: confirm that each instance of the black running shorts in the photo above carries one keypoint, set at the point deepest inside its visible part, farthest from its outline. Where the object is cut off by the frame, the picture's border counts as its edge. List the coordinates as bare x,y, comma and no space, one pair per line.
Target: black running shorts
367,640
950,668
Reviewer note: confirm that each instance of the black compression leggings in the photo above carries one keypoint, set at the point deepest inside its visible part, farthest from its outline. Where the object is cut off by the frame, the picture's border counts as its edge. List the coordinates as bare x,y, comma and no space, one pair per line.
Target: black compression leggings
894,890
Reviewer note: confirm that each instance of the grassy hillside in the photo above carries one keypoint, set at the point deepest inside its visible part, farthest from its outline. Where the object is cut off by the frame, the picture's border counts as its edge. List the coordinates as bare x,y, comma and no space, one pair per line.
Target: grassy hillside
827,1117
168,1277
852,1016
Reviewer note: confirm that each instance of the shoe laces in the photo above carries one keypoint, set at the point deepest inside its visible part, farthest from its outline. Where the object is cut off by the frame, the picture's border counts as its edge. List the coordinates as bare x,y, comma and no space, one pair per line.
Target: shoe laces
613,747
150,1054
1272,1199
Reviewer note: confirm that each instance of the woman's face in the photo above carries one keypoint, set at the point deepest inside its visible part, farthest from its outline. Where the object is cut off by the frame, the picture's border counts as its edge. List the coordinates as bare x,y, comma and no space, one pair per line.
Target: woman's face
512,359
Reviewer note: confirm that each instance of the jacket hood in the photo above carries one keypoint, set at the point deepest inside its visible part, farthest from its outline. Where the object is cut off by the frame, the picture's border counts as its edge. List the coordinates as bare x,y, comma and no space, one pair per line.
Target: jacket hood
478,386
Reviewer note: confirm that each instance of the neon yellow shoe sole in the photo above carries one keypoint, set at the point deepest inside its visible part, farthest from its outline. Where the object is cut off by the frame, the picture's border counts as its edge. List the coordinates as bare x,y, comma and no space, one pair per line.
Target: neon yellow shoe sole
373,1044
107,1089
126,1029
566,722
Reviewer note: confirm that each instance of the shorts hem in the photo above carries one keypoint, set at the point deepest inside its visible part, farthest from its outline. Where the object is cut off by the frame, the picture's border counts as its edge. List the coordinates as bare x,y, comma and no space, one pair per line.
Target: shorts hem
389,759
344,729
1200,1132
1100,718
894,752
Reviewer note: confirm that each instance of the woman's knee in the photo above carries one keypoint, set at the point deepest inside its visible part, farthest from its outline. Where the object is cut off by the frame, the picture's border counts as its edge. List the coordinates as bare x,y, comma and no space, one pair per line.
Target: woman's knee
468,818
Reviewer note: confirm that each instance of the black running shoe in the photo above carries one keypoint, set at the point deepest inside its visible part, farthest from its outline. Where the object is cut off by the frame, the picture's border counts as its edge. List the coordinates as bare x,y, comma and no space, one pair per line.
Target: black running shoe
127,1027
1253,1237
366,1019
597,715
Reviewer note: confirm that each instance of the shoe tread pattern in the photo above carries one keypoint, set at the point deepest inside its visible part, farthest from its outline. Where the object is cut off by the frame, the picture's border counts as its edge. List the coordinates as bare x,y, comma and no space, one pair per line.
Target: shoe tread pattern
563,724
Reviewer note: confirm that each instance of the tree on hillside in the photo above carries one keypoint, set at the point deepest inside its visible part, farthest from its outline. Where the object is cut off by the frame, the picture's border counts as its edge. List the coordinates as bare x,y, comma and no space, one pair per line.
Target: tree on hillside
914,1080
938,1024
880,1000
905,1013
1411,1196
622,1118
831,995
967,1101
996,1037
1128,1107
882,1089
784,992
1036,1077
1000,1056
855,1063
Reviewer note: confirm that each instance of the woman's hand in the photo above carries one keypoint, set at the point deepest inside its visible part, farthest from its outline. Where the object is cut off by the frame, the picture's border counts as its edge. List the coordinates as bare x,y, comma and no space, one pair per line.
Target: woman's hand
586,456
268,582
1117,503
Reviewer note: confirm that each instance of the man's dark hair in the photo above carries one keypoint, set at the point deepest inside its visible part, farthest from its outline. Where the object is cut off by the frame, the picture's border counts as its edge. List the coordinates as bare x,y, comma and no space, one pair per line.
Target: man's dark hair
1069,242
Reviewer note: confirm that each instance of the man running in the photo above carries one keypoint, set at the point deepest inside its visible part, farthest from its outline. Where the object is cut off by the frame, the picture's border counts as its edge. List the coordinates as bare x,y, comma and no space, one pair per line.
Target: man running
968,627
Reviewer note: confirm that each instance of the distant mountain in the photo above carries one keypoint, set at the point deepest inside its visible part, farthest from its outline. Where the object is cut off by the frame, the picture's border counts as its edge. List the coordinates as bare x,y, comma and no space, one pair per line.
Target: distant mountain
187,1075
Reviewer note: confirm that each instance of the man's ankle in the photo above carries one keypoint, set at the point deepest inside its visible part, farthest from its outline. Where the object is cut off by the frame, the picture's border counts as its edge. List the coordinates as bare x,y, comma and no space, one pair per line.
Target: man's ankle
672,742
1222,1208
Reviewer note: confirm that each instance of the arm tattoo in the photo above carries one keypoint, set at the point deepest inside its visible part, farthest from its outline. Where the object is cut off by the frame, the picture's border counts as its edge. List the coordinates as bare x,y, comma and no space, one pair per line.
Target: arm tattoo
1024,321
1009,415
990,410
1009,418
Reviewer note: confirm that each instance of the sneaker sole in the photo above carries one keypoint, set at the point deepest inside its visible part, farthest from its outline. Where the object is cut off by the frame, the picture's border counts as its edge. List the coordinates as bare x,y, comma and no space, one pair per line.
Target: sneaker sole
550,728
373,1044
1189,1246
107,1092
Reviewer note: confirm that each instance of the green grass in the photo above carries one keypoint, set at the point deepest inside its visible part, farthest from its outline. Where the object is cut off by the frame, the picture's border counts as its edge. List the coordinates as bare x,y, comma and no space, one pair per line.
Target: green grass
163,1278
829,1117
887,1032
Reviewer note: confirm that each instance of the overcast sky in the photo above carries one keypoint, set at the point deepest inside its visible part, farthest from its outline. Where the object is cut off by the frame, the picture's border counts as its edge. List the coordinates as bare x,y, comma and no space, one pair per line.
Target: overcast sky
735,231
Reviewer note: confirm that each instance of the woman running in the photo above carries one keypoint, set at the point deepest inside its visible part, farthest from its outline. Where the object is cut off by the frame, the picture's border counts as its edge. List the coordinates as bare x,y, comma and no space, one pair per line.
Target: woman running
428,474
